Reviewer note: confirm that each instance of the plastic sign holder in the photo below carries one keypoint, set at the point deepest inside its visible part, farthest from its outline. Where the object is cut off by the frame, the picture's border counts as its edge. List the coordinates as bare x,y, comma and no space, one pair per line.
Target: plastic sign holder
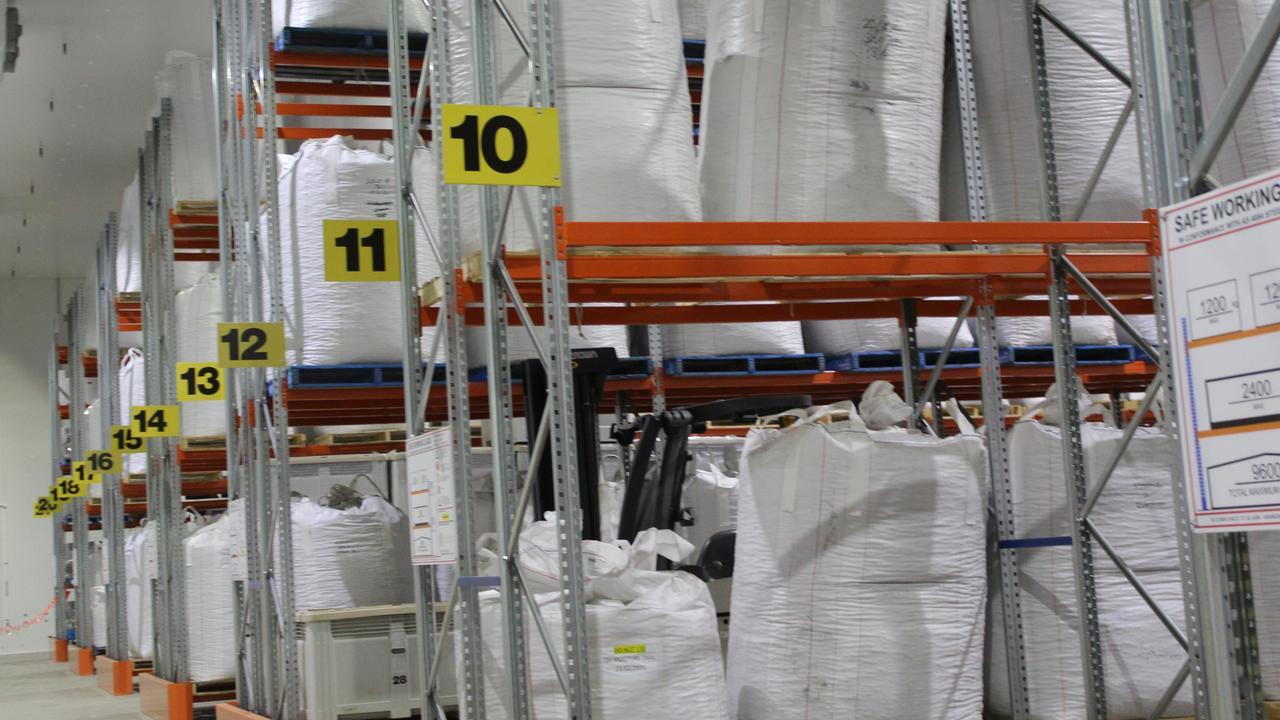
1221,257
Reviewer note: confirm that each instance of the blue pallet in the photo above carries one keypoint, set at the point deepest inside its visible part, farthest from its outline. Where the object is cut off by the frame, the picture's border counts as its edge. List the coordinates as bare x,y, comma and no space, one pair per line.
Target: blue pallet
343,42
866,361
958,358
803,364
352,375
1141,355
1040,355
637,367
724,365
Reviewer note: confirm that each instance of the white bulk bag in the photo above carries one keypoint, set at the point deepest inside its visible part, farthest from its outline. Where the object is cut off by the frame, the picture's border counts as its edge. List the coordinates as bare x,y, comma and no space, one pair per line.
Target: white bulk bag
211,599
653,642
337,322
1264,556
1223,30
129,254
710,493
344,15
1135,513
198,310
856,134
350,558
89,308
1085,330
129,242
519,346
693,19
1085,100
133,393
187,82
763,338
841,337
140,570
625,118
859,586
653,650
98,592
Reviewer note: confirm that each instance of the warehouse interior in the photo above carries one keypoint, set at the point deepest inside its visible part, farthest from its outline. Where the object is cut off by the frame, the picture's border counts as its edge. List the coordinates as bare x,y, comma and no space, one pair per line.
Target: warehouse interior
709,359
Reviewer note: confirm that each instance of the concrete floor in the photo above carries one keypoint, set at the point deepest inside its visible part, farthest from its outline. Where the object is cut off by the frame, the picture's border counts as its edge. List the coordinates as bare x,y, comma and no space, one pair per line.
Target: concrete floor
33,686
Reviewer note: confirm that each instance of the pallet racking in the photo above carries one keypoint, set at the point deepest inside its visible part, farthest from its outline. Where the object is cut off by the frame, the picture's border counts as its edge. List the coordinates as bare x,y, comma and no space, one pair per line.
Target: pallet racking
569,272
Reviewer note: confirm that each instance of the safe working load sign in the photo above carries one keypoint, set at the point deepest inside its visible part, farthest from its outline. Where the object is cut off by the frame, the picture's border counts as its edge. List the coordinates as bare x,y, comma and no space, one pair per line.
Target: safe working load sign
1222,269
433,531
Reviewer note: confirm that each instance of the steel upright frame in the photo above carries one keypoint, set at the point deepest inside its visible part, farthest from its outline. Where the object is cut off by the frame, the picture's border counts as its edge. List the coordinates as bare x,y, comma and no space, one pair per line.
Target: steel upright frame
257,418
1178,149
1217,593
159,333
79,509
58,449
488,20
112,507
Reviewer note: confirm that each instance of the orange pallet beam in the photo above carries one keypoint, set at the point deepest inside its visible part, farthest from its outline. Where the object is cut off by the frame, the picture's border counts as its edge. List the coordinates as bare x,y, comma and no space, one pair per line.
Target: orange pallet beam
782,311
177,219
852,234
661,268
324,87
330,110
190,488
297,133
196,232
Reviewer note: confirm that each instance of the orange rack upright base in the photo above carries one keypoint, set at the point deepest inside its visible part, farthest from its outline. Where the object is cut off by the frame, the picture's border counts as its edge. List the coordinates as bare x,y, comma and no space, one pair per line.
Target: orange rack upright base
114,676
164,700
83,660
60,650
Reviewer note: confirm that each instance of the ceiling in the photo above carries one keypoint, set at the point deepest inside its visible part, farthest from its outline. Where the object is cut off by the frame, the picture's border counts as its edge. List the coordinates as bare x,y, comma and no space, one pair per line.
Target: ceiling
72,118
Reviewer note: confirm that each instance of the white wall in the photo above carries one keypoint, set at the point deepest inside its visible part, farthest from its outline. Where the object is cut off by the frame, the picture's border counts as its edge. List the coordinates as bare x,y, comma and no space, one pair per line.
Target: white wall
28,308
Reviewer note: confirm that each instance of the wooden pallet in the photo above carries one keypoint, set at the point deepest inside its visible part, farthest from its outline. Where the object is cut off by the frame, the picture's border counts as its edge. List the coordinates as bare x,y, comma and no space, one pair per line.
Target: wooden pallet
219,442
363,436
196,207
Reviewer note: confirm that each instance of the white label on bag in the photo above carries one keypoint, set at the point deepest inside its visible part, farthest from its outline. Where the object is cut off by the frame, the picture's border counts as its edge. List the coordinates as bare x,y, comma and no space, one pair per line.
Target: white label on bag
630,661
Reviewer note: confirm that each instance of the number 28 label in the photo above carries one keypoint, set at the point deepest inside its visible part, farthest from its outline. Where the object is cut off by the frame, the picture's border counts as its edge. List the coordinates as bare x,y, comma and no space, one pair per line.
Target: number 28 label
246,345
501,145
361,251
